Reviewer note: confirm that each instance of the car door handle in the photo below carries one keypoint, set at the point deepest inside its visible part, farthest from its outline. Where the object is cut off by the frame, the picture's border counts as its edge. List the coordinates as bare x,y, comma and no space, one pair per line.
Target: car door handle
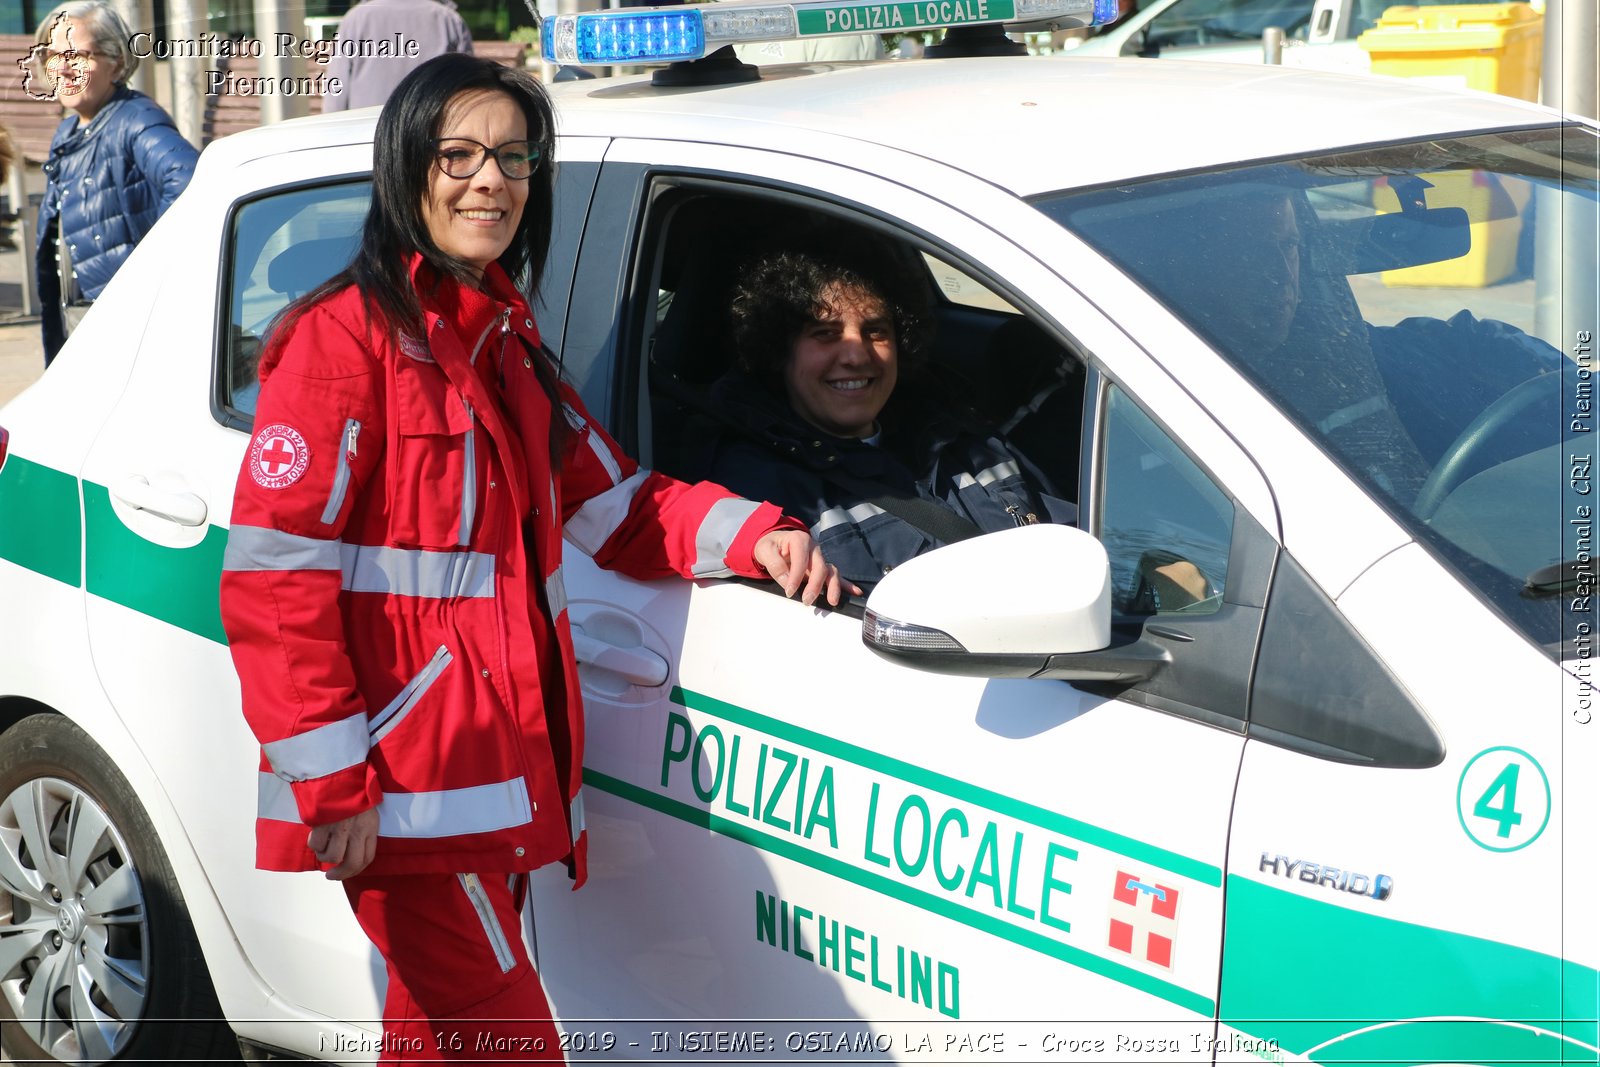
185,509
638,665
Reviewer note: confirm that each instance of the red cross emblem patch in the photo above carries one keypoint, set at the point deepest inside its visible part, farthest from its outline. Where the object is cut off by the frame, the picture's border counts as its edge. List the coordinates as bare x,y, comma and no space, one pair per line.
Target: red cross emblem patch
278,456
1144,919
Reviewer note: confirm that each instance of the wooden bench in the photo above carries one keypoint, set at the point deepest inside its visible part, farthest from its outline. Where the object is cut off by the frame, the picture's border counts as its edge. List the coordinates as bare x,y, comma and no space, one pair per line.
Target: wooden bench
30,121
227,112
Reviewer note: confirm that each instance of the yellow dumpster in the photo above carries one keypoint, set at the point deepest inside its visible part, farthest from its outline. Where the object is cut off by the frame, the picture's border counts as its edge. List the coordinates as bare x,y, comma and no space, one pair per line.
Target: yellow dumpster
1496,210
1492,47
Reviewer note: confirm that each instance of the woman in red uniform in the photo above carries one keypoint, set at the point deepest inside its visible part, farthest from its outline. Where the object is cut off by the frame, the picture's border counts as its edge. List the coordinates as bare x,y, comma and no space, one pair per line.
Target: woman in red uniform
392,587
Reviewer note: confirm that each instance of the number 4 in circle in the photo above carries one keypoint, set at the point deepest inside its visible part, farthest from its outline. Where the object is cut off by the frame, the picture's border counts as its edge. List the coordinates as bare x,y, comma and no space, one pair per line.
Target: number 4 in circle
1503,799
1505,814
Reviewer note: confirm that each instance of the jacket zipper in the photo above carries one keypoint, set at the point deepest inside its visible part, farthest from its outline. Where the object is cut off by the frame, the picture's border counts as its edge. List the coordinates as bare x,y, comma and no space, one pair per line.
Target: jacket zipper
500,621
341,477
469,479
390,717
491,925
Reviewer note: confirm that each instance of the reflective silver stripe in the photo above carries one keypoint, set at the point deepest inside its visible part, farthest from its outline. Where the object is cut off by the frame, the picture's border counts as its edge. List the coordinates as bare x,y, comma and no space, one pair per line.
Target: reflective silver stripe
275,799
577,815
835,516
999,472
417,572
988,476
555,593
484,336
607,460
601,452
600,515
469,483
341,476
491,922
469,474
398,708
258,548
716,533
320,752
474,809
1346,415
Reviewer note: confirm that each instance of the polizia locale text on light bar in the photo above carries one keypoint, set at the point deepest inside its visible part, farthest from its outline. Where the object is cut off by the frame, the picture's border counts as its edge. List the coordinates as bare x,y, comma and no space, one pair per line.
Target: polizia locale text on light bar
675,34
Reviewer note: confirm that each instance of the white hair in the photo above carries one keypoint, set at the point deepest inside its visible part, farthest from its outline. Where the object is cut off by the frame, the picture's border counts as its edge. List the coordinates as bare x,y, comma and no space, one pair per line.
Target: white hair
108,34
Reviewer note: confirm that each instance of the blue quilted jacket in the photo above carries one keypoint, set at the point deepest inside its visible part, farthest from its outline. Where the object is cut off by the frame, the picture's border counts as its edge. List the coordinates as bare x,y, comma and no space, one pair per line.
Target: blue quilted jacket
109,182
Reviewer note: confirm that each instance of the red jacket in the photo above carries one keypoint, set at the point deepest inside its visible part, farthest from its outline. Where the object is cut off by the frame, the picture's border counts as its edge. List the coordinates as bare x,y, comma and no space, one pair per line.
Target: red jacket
393,637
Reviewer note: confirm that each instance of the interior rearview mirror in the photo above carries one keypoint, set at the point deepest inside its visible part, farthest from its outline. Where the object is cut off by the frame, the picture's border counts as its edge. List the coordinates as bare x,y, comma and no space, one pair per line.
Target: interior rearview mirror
1402,239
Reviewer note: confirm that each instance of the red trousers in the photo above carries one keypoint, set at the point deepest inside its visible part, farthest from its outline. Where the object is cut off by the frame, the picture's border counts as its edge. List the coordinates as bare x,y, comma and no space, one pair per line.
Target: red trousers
461,986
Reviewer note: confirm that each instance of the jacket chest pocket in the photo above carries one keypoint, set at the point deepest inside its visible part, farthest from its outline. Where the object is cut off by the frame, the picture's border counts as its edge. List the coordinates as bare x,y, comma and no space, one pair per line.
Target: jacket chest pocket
434,499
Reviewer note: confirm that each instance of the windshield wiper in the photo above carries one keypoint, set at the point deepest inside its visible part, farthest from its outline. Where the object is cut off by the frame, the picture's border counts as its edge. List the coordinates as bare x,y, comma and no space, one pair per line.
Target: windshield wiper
1558,578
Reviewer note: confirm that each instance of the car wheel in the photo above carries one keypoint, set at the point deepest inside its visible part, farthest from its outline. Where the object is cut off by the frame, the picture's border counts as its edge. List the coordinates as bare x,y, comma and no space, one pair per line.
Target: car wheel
97,955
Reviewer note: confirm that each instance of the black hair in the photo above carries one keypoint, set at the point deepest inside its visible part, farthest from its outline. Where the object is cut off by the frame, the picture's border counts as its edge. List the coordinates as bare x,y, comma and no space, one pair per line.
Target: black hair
779,292
404,157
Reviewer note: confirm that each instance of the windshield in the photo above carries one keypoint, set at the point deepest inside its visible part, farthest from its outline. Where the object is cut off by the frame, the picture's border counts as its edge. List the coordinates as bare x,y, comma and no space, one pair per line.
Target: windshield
1426,312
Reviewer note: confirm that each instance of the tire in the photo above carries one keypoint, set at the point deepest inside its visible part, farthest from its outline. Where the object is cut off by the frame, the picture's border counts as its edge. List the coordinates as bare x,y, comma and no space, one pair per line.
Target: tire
97,955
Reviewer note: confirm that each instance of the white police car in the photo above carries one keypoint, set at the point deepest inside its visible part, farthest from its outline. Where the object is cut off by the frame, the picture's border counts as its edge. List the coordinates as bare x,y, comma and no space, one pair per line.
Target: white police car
1320,347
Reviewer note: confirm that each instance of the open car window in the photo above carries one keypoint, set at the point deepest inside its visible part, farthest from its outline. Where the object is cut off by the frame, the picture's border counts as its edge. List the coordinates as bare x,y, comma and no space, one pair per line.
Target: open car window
988,369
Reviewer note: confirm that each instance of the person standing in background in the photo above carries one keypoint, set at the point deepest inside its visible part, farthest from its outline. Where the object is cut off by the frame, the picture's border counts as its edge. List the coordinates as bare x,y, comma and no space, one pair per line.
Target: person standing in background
427,27
116,163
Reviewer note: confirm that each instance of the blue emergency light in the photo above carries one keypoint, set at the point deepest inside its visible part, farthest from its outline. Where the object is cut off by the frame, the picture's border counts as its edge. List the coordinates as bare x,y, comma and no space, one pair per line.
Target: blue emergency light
675,34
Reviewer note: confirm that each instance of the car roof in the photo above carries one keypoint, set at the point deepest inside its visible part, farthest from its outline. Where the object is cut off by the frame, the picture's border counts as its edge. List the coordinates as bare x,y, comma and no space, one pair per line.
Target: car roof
1027,124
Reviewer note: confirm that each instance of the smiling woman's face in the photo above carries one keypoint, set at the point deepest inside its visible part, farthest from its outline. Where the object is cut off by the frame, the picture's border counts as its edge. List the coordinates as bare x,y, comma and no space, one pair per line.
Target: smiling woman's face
83,80
843,366
474,219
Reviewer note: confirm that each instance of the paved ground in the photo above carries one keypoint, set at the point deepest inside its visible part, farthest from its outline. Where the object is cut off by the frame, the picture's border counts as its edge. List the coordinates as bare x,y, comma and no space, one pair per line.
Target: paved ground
21,356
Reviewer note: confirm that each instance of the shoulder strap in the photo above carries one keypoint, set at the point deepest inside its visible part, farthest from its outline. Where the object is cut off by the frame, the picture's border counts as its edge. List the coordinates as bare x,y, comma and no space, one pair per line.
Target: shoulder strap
933,519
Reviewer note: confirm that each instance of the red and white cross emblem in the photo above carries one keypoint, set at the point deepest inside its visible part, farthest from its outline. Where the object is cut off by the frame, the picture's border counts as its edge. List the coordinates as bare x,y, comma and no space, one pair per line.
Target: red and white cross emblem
1144,919
278,456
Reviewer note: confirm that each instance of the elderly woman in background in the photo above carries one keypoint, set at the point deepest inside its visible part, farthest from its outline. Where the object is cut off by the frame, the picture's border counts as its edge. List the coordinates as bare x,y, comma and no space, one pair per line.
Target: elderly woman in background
116,163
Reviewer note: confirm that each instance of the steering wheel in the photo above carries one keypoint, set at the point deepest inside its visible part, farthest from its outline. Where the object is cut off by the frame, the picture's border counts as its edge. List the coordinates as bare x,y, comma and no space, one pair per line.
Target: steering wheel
1452,468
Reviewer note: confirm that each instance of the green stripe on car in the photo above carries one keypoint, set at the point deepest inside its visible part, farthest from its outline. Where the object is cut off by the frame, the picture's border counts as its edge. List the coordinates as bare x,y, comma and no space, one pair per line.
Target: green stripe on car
1338,985
42,529
39,520
175,585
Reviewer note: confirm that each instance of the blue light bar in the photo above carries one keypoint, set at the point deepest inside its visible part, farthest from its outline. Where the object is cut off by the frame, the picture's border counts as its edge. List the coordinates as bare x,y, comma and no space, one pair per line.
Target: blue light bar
648,37
671,34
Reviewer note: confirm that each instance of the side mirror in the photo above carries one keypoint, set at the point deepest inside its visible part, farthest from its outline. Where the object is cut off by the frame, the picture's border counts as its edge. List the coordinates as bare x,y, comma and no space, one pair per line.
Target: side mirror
1033,602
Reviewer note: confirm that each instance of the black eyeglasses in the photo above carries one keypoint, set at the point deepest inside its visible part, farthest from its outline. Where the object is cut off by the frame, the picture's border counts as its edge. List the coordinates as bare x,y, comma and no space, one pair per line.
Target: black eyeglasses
462,157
